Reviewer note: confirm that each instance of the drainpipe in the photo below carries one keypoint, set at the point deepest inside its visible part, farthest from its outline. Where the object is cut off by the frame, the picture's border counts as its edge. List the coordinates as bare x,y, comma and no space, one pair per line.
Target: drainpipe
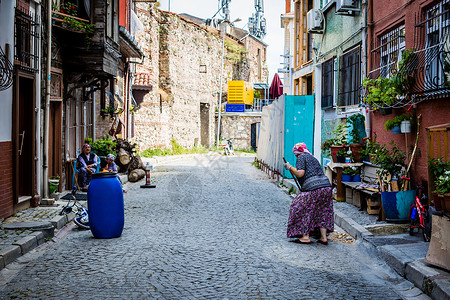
367,32
47,100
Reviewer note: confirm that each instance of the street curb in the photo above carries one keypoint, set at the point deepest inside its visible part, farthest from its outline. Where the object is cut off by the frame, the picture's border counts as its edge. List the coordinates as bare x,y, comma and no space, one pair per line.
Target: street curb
350,226
26,243
10,254
35,239
425,278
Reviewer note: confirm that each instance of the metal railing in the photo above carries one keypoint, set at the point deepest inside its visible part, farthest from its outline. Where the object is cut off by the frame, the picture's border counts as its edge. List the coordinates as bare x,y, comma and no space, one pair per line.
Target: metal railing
426,73
258,104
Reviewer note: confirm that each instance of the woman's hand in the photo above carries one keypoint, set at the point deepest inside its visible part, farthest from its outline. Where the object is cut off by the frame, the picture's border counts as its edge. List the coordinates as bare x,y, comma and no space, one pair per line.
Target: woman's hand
287,166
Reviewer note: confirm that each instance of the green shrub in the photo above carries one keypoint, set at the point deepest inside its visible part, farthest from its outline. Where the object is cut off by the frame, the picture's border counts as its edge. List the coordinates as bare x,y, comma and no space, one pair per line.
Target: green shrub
102,147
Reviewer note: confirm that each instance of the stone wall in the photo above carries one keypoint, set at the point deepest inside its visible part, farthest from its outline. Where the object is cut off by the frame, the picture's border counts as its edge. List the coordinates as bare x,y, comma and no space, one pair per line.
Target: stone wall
184,61
238,127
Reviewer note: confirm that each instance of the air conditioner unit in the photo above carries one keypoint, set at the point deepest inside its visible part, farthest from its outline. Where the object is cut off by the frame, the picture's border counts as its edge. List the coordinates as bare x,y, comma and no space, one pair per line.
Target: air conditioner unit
314,18
345,6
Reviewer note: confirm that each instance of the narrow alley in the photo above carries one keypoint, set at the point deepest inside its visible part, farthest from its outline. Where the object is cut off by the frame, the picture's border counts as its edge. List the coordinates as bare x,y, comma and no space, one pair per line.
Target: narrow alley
213,228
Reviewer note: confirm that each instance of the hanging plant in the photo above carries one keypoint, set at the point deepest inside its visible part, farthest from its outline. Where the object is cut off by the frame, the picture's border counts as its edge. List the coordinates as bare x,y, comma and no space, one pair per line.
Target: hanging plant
384,92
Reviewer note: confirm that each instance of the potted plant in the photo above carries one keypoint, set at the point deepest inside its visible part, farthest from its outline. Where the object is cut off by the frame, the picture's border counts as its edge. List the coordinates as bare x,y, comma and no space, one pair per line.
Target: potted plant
53,184
338,142
371,148
391,161
439,168
442,184
384,92
356,174
357,134
340,155
394,124
347,174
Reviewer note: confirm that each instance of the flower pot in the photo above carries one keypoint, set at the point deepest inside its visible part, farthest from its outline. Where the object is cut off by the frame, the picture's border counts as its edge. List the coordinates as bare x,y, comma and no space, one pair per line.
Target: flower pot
446,203
436,201
396,130
405,126
356,178
396,205
356,149
53,185
346,178
334,150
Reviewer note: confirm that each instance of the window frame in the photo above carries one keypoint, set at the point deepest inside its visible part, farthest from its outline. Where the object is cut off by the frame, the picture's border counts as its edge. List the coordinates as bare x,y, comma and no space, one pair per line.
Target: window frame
328,83
392,46
349,78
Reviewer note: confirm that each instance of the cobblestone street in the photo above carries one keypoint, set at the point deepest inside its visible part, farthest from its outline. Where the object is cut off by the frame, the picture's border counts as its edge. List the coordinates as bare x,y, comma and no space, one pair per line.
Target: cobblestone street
213,228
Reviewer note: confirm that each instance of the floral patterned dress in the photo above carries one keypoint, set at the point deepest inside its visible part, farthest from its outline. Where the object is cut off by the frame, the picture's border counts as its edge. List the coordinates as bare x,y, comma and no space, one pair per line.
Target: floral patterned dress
310,209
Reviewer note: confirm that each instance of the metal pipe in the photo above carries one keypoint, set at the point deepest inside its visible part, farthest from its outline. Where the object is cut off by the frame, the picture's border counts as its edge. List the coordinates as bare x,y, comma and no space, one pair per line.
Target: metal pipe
47,99
220,90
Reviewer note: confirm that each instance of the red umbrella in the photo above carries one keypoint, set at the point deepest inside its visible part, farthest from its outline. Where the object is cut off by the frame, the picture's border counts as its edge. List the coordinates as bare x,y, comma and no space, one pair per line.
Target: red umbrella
276,88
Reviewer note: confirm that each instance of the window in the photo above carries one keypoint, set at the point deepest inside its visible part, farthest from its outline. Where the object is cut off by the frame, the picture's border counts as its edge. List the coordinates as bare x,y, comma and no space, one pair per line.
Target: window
327,83
112,20
26,40
349,78
392,46
437,29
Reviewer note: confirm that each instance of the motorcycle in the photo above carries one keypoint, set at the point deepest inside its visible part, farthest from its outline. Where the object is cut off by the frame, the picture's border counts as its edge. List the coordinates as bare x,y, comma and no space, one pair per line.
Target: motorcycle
227,146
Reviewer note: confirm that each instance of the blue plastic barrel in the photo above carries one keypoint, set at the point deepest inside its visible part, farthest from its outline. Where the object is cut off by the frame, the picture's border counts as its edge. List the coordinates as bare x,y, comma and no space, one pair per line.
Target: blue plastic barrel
396,205
105,206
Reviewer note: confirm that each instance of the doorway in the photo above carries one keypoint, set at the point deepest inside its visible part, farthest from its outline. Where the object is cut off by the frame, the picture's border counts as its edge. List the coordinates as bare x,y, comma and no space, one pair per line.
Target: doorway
254,136
55,141
24,137
204,124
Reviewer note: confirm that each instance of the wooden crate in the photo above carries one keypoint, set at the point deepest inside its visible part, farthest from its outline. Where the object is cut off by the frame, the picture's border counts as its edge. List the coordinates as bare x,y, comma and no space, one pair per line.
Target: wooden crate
349,195
357,198
373,205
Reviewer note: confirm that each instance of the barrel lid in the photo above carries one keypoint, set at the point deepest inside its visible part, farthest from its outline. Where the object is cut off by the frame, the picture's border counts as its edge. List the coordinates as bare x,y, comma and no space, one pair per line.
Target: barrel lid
103,175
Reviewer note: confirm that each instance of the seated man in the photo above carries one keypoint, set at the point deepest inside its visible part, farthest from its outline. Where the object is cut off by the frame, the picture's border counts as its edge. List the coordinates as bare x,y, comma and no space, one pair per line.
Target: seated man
86,165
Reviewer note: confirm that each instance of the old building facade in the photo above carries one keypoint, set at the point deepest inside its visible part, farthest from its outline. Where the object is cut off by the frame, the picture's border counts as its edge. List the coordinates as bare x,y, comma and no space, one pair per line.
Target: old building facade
184,65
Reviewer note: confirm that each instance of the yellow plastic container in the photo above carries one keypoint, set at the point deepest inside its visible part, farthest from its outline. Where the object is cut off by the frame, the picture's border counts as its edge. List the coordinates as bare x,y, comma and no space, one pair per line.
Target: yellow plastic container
240,92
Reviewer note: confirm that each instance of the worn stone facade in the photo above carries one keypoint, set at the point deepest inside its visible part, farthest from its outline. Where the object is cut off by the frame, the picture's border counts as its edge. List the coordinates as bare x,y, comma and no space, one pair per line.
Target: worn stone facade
184,62
239,128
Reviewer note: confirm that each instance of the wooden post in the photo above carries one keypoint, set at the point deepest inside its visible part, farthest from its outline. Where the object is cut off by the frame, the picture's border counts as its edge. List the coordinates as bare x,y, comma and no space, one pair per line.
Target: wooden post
340,194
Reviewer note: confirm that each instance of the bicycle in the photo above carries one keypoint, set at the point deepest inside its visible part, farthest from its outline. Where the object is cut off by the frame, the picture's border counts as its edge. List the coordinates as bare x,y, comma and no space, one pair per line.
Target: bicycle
82,217
420,216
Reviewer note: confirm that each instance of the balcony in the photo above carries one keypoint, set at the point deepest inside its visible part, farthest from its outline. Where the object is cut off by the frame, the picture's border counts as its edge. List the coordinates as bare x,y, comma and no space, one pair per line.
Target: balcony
87,48
424,71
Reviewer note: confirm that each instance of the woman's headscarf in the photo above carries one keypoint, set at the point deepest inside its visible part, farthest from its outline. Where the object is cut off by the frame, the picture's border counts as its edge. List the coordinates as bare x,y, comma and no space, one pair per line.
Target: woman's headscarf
110,156
300,148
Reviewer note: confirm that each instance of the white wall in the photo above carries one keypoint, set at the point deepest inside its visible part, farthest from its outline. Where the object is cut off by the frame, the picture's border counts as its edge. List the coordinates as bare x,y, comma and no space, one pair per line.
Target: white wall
6,37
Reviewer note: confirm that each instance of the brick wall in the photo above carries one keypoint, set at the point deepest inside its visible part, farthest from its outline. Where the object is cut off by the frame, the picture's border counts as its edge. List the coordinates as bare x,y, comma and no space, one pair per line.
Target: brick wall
6,180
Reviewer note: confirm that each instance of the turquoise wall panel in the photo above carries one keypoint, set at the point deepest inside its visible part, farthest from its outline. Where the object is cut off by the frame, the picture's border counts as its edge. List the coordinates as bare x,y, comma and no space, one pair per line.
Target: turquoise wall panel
298,126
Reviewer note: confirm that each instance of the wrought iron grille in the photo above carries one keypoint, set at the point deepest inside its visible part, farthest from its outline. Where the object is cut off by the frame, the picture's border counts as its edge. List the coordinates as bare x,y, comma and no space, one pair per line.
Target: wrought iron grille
327,83
349,78
426,73
6,71
26,41
431,66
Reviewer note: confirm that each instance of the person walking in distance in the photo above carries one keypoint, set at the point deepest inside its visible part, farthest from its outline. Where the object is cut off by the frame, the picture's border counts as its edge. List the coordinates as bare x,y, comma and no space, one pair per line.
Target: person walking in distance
313,207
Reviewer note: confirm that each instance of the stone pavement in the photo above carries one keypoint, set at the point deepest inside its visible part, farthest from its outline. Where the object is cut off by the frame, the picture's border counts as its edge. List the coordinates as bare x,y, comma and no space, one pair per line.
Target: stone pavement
403,253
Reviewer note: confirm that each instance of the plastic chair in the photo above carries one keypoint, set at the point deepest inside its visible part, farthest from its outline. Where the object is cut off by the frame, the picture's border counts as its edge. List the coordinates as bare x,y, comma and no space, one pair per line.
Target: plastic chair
76,170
